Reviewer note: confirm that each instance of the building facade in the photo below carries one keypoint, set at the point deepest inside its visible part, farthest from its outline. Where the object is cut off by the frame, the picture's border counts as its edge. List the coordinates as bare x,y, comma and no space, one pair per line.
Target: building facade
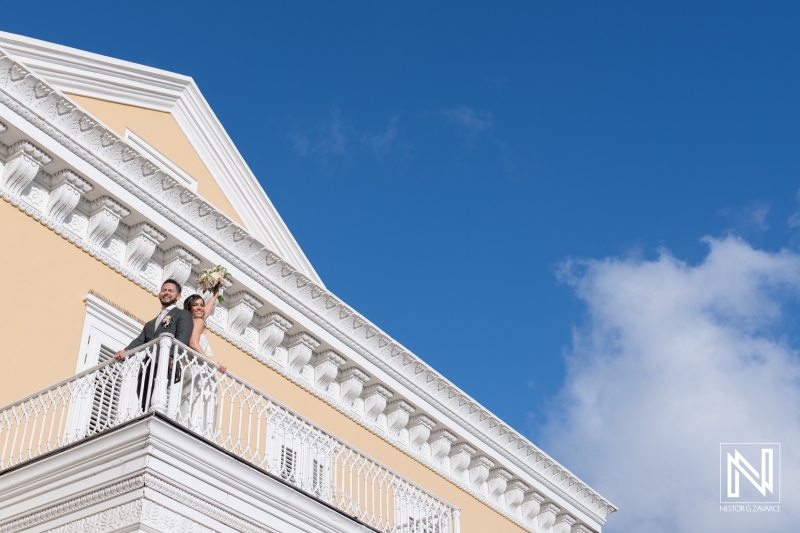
116,176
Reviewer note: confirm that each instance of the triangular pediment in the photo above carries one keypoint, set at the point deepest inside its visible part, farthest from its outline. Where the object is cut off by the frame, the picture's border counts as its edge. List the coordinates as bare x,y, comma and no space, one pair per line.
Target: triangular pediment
165,116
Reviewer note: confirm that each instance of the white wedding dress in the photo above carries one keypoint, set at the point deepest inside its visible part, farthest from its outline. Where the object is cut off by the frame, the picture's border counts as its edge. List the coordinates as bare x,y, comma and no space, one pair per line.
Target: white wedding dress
199,395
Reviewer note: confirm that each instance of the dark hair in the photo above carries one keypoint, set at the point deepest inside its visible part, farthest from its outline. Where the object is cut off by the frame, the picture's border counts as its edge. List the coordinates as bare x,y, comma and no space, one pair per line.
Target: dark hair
170,280
187,304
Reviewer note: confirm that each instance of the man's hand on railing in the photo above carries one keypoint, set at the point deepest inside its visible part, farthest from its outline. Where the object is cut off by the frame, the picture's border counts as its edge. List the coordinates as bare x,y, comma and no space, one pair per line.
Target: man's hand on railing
120,355
222,368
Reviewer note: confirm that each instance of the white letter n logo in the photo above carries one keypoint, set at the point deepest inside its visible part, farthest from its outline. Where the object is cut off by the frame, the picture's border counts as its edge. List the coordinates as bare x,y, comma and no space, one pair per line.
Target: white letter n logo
762,482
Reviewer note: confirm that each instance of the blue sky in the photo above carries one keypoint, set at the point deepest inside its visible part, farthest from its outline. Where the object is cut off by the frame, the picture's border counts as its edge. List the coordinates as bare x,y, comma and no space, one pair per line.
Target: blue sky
471,175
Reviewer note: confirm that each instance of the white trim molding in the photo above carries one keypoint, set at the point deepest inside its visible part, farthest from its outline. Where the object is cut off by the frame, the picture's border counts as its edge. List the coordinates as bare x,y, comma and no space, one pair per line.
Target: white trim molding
170,168
152,475
104,326
145,210
96,76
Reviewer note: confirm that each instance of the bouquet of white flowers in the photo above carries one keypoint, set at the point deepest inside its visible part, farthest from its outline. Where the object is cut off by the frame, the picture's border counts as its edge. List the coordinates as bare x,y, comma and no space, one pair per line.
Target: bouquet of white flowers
212,278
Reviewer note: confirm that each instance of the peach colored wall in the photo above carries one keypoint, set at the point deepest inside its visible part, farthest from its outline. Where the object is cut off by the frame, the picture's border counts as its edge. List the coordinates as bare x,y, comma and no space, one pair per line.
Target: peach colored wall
160,130
43,314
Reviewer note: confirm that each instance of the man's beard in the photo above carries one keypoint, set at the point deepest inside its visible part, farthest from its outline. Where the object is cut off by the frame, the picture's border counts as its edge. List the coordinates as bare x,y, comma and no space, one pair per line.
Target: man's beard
168,302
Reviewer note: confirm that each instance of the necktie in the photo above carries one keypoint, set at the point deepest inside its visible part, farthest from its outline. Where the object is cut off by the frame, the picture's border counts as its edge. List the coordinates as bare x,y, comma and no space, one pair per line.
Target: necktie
159,318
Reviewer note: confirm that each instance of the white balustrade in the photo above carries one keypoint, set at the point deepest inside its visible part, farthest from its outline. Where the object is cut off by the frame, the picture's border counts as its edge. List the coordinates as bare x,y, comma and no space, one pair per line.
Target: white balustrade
167,377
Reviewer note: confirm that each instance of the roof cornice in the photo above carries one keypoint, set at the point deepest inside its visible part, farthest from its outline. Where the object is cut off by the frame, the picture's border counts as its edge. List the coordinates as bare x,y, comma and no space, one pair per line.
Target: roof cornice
87,74
78,132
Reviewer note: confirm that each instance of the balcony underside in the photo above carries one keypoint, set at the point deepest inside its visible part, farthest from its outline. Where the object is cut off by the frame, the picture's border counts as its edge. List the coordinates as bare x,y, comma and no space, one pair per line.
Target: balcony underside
152,475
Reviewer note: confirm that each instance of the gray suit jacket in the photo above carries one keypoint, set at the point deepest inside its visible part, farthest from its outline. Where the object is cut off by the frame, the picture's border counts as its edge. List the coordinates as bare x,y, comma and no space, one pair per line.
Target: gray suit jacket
181,326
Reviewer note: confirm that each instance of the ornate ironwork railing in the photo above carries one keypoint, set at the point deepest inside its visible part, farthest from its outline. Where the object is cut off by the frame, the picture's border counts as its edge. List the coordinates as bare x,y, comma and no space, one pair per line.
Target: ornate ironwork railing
222,408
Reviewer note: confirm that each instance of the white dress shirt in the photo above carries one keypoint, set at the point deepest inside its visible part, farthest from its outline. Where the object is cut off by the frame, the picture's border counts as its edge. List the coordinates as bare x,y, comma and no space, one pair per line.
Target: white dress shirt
161,316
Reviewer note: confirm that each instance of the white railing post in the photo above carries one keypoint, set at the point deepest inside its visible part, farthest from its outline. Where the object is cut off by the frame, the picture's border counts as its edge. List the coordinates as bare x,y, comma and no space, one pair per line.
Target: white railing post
162,377
233,415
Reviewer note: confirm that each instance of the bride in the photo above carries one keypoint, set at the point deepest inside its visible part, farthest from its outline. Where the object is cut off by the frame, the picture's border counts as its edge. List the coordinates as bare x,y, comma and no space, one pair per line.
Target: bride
199,394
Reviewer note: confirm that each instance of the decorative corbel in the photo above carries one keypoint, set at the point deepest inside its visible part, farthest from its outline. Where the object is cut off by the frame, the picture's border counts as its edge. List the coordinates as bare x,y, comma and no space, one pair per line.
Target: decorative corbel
531,505
326,367
272,329
18,173
299,348
580,528
479,471
460,455
497,482
441,440
351,383
105,214
241,309
563,523
515,492
375,397
419,430
178,263
547,516
141,246
397,413
67,190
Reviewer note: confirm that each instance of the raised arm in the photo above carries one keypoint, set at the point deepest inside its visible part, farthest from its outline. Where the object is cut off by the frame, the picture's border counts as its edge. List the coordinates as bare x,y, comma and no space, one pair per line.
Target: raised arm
209,307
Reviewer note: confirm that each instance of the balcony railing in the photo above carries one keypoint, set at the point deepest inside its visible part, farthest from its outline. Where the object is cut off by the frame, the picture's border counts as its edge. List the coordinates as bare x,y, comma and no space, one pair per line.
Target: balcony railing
234,415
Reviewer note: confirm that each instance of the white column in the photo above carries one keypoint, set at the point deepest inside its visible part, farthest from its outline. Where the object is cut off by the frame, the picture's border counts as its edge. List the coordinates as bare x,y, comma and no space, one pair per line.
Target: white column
162,378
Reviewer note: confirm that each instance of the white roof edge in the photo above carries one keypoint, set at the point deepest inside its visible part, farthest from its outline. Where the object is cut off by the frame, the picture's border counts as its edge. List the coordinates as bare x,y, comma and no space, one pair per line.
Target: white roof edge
97,76
377,348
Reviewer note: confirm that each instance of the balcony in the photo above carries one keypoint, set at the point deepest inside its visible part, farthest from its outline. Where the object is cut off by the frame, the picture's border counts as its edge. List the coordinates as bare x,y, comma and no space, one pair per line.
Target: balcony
227,416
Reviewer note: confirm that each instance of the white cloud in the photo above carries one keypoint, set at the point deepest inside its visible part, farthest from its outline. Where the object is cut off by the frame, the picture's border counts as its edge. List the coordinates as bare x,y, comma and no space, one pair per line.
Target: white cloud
470,121
794,220
750,217
328,137
380,143
336,136
673,360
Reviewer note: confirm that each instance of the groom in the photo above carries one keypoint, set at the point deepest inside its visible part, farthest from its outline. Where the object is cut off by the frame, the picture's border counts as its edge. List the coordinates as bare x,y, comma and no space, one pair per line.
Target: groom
171,319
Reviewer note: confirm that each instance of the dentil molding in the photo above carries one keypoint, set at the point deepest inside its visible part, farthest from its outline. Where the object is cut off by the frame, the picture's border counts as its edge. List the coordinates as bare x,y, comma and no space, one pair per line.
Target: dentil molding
58,117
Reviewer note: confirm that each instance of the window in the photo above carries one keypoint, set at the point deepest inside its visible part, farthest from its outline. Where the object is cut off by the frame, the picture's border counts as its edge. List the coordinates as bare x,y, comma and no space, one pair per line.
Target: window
105,404
97,402
105,327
